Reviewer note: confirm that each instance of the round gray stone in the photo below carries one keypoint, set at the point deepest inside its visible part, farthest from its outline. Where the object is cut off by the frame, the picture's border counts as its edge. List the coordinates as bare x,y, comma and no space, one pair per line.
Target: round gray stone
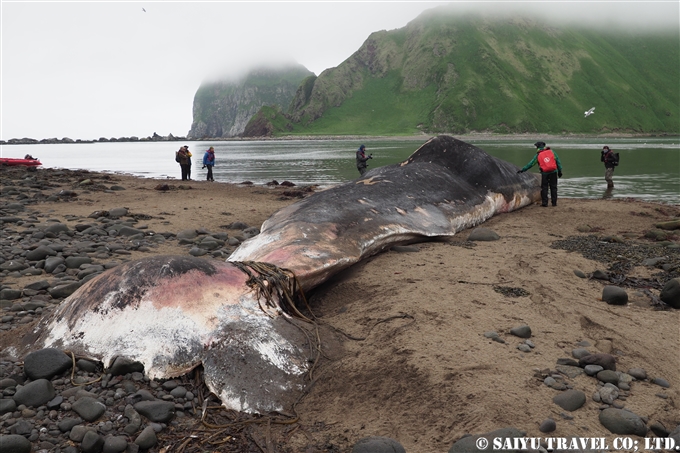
483,234
620,421
92,442
90,409
114,444
570,400
15,443
35,393
608,376
548,426
40,253
52,262
124,365
64,290
118,212
592,370
638,373
522,331
606,361
579,352
74,262
661,382
156,411
608,393
7,405
614,295
147,438
670,293
378,444
46,363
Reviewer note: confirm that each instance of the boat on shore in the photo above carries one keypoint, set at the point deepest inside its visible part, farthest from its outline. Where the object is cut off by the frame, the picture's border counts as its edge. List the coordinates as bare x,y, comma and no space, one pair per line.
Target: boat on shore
16,162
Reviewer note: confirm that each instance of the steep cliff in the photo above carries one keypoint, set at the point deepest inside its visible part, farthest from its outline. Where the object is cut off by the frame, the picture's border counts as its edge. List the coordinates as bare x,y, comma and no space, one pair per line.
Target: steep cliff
455,73
223,108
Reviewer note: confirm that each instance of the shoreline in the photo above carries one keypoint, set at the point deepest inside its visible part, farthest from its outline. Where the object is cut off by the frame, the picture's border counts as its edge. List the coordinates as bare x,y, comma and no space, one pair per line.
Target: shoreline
464,137
425,380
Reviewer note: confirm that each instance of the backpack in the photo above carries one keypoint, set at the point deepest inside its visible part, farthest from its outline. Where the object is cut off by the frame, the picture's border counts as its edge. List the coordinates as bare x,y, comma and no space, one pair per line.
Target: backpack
177,157
610,157
546,160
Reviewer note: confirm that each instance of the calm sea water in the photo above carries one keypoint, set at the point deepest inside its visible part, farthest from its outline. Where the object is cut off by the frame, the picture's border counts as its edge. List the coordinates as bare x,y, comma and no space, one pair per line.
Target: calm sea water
649,170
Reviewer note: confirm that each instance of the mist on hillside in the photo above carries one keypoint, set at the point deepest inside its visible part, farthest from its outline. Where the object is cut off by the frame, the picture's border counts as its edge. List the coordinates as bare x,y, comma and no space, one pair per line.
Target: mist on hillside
635,17
607,16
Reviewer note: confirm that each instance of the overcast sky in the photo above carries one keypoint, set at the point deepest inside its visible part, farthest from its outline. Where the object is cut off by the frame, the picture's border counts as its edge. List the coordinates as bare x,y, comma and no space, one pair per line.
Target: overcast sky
109,69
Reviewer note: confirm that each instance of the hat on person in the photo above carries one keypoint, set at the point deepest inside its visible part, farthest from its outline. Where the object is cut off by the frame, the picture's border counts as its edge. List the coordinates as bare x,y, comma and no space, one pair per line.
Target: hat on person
362,147
539,144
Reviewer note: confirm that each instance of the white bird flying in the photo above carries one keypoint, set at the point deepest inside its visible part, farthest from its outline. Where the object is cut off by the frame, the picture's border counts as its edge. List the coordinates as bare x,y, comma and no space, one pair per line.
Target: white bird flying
143,10
589,112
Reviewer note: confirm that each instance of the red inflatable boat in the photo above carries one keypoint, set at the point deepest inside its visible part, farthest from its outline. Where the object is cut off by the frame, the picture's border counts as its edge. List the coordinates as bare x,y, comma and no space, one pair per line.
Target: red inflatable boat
19,162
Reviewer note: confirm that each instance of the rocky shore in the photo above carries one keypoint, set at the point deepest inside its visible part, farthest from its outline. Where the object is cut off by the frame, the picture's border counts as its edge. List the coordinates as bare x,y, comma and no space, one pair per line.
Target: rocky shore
545,323
52,141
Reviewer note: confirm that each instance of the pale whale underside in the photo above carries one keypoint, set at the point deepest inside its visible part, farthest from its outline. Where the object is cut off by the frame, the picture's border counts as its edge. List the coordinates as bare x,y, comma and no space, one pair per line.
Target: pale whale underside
173,313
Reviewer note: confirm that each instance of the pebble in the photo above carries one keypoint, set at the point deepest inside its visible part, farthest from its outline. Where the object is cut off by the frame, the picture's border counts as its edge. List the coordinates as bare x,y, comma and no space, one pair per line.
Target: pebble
661,382
377,444
614,295
522,331
606,361
483,234
570,400
547,426
592,370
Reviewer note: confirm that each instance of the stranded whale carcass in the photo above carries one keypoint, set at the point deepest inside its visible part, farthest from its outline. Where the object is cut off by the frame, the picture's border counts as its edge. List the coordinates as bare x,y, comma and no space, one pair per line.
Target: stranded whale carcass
173,313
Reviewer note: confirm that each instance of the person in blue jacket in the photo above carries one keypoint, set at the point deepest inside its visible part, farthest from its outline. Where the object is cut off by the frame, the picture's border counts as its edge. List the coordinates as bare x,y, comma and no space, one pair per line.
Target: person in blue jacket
209,162
551,169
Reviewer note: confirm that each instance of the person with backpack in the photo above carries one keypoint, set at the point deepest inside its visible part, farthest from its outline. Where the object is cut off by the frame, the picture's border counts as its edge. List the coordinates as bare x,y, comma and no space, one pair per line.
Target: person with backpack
551,169
361,159
209,162
610,160
182,159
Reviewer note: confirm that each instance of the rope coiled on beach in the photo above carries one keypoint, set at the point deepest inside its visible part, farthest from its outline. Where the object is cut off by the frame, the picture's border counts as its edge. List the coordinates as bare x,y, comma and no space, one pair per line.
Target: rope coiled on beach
276,287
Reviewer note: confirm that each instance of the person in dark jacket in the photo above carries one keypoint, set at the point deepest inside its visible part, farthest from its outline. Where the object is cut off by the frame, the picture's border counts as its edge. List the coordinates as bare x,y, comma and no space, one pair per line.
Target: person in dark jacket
361,159
551,169
609,159
209,162
183,160
186,149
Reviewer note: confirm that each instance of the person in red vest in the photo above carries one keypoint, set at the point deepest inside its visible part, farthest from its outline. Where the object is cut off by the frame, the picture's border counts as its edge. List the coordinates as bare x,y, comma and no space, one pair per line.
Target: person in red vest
551,169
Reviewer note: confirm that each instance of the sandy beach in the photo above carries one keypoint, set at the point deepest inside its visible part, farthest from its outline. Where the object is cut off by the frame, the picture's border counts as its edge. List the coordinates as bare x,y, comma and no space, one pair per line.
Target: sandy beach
411,355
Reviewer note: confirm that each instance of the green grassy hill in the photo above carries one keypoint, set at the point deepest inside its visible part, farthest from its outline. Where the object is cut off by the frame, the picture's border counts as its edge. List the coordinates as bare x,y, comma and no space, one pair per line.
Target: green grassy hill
464,73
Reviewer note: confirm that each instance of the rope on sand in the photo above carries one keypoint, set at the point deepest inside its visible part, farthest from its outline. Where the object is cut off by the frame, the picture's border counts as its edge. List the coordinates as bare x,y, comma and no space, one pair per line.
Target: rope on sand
276,287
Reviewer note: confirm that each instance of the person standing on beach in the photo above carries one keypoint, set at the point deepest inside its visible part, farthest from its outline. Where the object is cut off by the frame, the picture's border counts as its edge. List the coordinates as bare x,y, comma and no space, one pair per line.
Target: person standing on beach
184,162
610,161
209,161
361,159
551,169
186,148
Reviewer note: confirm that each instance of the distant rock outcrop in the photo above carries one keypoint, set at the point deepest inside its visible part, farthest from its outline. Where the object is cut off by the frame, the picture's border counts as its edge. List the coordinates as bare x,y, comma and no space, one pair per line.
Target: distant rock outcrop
223,108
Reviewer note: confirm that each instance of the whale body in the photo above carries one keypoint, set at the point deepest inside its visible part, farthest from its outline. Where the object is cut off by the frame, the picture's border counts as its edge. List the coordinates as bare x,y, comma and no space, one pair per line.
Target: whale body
173,313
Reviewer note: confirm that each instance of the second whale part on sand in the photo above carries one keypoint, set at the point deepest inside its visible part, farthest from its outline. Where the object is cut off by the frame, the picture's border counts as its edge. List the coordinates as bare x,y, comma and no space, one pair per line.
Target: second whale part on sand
174,313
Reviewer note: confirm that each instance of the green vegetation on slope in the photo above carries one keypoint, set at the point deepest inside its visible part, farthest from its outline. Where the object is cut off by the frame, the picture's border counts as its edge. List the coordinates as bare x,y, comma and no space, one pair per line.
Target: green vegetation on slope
444,73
